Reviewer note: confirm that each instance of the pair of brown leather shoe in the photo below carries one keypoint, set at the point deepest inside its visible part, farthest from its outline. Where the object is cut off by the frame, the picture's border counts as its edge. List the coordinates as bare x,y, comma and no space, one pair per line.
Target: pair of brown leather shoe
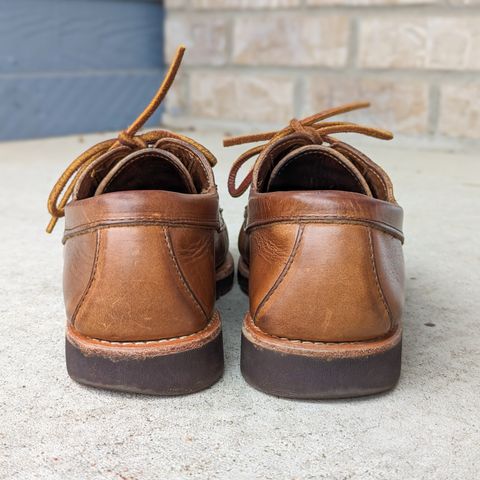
146,256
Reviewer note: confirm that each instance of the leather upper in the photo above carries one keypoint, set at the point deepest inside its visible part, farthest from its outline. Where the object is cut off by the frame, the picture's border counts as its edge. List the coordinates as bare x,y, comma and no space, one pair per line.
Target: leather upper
144,236
324,265
140,263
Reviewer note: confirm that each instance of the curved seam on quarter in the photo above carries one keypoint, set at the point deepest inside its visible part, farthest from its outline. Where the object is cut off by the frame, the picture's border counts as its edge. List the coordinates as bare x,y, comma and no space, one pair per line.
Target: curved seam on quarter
377,280
181,275
283,274
91,279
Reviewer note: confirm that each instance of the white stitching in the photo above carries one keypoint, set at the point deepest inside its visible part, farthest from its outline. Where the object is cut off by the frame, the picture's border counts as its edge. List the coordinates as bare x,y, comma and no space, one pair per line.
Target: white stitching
215,315
313,342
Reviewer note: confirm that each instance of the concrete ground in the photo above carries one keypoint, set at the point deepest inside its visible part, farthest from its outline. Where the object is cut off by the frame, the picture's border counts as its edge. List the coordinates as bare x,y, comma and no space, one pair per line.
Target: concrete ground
427,428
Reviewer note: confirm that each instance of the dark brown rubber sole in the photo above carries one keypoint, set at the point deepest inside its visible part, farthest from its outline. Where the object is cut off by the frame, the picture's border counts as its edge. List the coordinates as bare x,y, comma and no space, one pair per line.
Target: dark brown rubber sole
172,374
314,370
175,366
306,370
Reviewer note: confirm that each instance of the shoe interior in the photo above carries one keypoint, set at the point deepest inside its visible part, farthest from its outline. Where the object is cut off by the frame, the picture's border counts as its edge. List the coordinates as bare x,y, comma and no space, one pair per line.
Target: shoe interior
311,167
312,170
158,170
169,165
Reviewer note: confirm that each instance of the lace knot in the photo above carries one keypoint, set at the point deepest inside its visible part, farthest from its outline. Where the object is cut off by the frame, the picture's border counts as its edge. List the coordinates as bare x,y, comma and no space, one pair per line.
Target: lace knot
297,126
131,141
314,126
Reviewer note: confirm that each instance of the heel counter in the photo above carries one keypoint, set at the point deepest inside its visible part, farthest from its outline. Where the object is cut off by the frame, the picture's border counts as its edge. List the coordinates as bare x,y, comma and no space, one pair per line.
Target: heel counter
328,289
145,283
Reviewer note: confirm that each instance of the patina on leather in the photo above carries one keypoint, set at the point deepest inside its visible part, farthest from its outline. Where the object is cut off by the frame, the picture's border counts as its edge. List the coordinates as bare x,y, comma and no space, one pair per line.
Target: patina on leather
145,242
322,254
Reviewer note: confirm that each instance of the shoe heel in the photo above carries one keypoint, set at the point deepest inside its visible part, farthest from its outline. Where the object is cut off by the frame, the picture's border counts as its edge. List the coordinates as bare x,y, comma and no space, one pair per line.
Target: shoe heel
312,370
167,367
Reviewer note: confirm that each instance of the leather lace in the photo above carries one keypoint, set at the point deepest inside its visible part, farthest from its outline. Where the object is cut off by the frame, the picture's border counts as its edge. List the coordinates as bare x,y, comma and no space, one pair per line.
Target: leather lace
129,138
314,126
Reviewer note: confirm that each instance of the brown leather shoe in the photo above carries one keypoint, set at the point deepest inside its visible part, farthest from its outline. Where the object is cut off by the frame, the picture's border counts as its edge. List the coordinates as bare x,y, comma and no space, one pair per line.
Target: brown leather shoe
146,254
321,259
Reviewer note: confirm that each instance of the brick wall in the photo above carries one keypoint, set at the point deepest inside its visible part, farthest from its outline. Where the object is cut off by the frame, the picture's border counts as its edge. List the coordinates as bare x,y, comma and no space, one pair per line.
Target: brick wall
257,63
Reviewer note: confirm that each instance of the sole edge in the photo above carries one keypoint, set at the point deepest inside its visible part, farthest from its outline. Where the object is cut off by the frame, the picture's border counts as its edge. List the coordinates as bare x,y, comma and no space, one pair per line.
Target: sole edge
166,370
330,374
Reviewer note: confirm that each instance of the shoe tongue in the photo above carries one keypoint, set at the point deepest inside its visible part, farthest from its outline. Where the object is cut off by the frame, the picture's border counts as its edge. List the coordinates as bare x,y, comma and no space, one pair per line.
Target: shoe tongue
316,167
148,169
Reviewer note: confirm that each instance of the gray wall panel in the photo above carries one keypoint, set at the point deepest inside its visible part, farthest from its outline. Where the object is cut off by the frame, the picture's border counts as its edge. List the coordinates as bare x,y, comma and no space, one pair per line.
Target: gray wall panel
69,66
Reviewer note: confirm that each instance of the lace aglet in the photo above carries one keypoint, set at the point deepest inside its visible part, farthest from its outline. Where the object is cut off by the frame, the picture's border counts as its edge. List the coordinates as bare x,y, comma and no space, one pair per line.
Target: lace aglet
51,224
384,134
181,49
364,104
161,92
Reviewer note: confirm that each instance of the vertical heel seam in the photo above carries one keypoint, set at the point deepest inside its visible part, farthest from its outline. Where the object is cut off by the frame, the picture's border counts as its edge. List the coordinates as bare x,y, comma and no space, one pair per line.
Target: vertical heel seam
377,279
98,234
181,276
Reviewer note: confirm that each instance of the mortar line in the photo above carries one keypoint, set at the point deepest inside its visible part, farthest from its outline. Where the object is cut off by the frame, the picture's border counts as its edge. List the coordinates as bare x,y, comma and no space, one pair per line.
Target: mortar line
285,70
370,10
